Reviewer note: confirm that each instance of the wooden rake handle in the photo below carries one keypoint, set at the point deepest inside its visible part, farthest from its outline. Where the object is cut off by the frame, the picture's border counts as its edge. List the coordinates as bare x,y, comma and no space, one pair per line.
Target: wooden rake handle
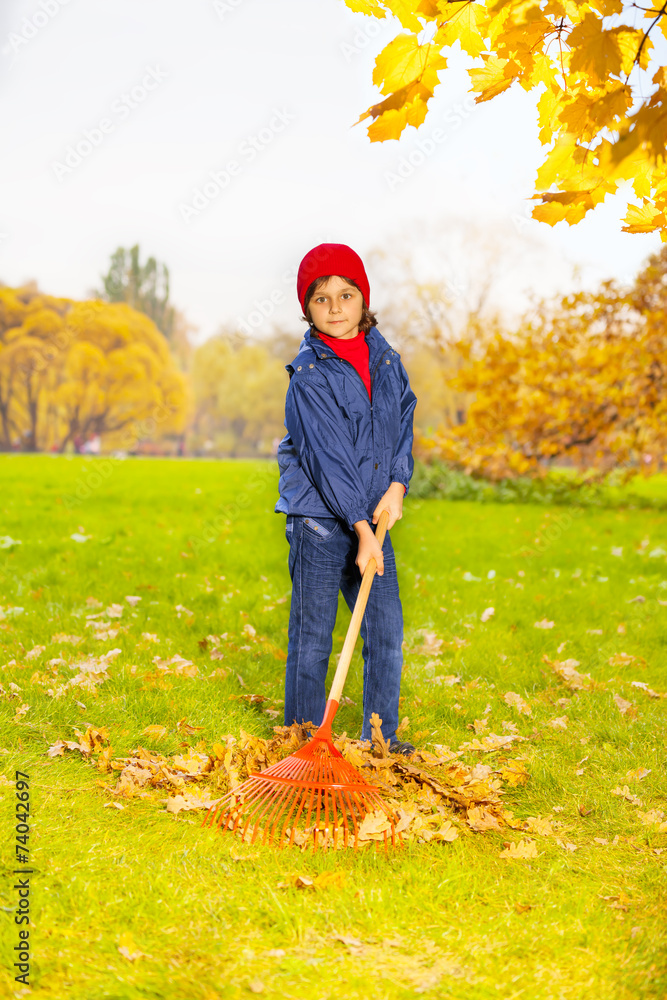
357,615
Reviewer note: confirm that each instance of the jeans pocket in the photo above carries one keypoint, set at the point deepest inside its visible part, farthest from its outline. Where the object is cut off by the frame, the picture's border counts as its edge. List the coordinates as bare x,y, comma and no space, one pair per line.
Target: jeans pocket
323,527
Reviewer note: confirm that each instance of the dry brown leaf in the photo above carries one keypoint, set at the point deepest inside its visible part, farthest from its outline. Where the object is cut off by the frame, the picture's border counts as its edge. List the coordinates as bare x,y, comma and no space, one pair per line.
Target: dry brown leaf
516,701
523,851
34,652
479,726
621,659
184,726
566,670
647,690
377,739
625,707
128,948
374,826
330,880
431,643
480,818
491,742
654,818
513,772
538,824
187,801
402,727
620,902
155,732
626,794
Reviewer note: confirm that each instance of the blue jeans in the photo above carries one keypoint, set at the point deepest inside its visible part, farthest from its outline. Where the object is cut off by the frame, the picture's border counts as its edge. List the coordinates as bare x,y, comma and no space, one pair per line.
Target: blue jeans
322,562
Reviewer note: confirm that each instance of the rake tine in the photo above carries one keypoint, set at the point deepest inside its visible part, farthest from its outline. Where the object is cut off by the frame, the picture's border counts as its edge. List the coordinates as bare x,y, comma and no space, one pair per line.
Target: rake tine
290,795
298,815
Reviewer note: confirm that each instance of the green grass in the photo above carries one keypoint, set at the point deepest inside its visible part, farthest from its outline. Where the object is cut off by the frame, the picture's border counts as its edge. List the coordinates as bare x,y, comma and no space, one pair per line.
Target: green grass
453,921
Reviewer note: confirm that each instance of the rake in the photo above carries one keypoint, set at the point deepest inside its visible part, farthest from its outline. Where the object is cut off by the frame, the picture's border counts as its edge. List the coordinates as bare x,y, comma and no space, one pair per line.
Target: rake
314,794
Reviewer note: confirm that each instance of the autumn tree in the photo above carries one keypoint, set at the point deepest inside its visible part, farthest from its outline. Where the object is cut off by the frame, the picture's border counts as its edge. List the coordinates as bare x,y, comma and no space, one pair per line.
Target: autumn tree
73,369
117,373
30,328
239,387
603,89
583,380
449,279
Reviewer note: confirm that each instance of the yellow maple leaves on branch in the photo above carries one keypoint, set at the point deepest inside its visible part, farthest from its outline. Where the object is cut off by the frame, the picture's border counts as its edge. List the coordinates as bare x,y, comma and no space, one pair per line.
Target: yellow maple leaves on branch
603,91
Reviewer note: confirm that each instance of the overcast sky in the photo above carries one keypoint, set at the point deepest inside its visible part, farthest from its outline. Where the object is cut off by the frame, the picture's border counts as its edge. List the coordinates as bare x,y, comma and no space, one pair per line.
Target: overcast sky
160,97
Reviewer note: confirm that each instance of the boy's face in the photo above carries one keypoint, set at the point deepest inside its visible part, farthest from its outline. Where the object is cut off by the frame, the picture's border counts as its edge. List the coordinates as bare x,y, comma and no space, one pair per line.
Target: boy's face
336,308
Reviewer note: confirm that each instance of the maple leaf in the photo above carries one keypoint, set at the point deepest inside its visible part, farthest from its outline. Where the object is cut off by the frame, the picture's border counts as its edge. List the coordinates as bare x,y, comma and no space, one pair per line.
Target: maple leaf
514,772
588,93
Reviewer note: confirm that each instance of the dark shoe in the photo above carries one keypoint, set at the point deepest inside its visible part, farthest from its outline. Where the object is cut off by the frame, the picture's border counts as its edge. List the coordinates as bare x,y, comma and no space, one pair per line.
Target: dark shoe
403,748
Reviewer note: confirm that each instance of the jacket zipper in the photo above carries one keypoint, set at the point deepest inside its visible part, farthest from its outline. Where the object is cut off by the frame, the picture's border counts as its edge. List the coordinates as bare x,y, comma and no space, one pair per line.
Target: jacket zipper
338,357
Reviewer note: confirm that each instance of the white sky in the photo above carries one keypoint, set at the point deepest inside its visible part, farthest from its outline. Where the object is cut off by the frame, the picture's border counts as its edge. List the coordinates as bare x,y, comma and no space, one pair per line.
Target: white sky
219,77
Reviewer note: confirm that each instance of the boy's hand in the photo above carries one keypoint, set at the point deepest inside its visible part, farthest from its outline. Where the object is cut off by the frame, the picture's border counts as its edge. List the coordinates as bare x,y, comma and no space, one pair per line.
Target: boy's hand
393,502
369,548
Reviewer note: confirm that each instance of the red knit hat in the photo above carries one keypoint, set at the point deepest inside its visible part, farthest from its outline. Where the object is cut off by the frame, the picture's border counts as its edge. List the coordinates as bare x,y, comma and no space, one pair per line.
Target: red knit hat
331,258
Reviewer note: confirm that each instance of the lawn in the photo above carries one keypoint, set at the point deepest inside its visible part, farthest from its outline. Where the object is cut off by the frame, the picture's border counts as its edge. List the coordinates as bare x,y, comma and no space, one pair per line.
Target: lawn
141,902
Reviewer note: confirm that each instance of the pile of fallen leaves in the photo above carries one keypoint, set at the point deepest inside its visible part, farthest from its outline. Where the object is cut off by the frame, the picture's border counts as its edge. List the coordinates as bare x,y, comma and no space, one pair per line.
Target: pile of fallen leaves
433,793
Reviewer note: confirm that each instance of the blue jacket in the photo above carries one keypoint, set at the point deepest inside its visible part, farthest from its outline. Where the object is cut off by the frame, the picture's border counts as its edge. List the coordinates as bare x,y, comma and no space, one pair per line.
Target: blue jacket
342,449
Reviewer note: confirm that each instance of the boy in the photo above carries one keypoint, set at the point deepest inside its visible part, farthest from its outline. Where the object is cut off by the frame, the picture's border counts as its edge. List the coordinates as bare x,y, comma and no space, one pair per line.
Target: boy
347,456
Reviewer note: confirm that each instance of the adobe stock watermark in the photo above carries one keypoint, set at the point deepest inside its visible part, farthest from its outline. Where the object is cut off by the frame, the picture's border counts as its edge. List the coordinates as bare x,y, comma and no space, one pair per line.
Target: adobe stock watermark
228,513
524,219
31,26
121,109
427,144
265,308
248,150
225,7
362,37
137,431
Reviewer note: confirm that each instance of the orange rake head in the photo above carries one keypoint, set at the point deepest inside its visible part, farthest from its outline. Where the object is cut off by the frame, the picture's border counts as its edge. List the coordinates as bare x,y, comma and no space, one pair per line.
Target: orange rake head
314,795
